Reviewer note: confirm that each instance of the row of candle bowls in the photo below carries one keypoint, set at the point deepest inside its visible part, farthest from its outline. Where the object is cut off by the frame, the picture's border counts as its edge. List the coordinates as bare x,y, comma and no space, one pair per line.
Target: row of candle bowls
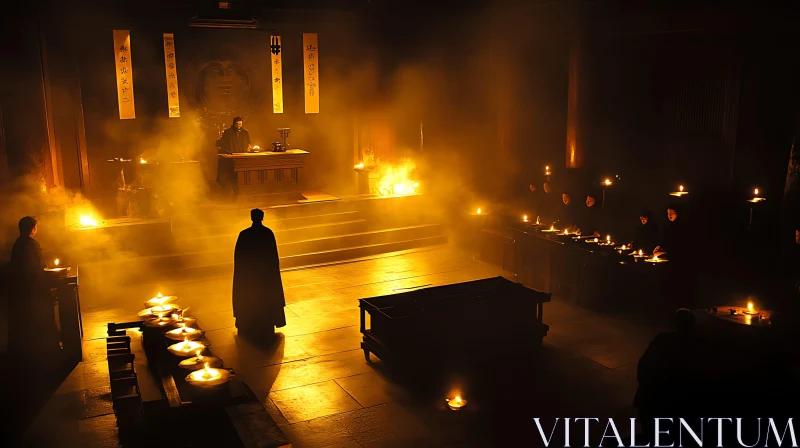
607,242
162,312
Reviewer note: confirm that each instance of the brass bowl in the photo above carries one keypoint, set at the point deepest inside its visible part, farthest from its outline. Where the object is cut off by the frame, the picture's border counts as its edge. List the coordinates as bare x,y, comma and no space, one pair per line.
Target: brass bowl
195,363
186,349
196,378
181,333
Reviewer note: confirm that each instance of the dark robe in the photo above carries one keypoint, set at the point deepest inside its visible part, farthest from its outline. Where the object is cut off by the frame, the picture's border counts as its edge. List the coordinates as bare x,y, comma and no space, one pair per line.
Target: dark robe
670,375
32,328
258,299
646,237
676,241
590,220
564,214
233,140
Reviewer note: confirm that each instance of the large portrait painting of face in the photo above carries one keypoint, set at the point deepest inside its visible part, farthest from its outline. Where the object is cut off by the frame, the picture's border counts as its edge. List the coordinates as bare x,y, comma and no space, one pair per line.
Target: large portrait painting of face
221,86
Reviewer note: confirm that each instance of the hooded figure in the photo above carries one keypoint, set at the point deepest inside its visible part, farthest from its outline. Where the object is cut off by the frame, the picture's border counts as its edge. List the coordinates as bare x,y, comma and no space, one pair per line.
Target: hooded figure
258,299
33,321
646,236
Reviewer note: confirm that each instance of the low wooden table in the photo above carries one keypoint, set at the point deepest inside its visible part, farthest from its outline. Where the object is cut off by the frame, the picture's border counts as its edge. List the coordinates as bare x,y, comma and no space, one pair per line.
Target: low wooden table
261,173
446,323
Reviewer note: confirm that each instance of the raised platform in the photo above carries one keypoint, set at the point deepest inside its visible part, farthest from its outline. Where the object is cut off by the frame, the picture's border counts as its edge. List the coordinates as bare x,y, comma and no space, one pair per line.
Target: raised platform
200,241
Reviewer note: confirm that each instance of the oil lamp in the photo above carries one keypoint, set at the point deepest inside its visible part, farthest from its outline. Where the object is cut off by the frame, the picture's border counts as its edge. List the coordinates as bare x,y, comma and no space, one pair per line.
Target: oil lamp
756,198
56,267
208,376
198,361
158,310
186,348
159,300
552,229
681,192
456,403
183,333
655,259
160,322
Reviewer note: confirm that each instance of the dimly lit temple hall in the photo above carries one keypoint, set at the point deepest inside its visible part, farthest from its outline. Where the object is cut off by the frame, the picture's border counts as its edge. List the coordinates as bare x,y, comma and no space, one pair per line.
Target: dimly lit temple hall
375,223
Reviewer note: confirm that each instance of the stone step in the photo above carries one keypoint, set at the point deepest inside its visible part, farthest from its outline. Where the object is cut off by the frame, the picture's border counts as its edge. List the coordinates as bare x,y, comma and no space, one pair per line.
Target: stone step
287,262
302,252
210,227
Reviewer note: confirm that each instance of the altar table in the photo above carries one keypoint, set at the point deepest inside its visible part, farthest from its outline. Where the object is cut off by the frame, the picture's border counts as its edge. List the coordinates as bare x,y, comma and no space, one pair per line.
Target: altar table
266,172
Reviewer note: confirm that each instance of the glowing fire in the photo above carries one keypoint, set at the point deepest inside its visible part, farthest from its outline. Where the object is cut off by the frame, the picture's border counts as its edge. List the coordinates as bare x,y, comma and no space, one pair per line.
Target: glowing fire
479,211
608,239
607,182
359,166
88,221
142,160
456,403
680,188
755,191
525,218
56,262
750,307
396,179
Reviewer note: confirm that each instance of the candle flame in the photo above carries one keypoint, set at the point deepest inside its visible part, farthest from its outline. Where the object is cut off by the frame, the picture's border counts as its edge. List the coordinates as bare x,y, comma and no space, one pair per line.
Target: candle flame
553,227
359,165
142,160
608,238
537,220
680,188
458,399
199,356
750,307
607,182
640,252
525,218
479,211
547,168
756,191
56,262
159,295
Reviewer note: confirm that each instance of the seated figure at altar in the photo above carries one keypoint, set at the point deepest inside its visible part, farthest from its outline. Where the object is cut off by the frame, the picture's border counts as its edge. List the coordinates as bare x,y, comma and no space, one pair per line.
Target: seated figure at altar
591,217
258,299
32,332
564,212
675,240
235,138
646,236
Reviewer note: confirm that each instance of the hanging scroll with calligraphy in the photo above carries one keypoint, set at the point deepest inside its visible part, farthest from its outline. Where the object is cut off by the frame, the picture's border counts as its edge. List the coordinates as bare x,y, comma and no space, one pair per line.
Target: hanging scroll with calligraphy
277,74
122,53
311,58
170,62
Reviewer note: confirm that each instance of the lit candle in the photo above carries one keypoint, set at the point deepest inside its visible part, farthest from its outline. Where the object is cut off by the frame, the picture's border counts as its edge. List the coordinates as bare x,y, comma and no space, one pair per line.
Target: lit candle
142,161
56,262
596,240
607,182
456,403
537,221
479,211
525,218
641,253
608,239
547,170
751,309
755,192
680,188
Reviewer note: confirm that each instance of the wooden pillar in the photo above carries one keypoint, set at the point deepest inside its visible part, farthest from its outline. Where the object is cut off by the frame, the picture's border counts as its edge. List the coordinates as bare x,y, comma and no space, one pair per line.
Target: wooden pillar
575,99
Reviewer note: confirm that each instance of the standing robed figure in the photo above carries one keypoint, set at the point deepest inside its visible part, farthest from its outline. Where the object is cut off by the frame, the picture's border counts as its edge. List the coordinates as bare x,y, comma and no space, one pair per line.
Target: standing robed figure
258,299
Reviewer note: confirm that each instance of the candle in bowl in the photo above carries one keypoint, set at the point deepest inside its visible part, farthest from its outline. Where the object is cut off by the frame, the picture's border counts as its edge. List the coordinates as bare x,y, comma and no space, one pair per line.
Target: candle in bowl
208,376
456,403
56,267
185,348
756,198
159,300
681,192
183,332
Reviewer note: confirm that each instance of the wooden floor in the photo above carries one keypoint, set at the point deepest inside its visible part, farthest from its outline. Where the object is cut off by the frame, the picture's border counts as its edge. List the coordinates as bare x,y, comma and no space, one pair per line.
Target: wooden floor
315,381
